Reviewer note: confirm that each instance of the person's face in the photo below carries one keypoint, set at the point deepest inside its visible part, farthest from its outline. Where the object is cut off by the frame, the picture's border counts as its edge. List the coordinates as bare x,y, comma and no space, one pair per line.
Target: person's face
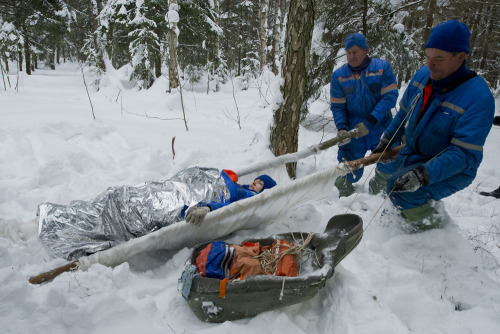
356,56
443,63
256,185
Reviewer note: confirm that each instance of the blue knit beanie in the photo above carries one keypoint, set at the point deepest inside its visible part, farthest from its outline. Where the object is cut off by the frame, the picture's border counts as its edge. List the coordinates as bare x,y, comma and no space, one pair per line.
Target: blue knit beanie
356,39
268,181
451,36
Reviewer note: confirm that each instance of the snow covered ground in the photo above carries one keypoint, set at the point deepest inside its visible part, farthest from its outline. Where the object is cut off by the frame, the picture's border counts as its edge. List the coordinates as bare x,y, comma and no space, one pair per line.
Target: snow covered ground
52,150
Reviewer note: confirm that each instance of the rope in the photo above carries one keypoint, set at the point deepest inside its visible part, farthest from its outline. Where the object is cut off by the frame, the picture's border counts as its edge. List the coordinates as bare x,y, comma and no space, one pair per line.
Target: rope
269,259
308,252
407,117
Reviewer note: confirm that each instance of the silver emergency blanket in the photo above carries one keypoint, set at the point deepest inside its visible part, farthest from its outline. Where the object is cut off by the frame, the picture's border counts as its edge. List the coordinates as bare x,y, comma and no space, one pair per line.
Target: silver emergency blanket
248,213
122,213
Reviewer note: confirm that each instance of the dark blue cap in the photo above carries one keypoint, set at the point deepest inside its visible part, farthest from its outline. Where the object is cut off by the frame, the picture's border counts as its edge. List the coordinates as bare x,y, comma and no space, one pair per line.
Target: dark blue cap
268,181
356,39
451,36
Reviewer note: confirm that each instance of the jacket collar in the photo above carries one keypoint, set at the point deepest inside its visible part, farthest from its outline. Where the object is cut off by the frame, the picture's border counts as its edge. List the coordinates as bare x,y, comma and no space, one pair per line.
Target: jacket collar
454,80
361,67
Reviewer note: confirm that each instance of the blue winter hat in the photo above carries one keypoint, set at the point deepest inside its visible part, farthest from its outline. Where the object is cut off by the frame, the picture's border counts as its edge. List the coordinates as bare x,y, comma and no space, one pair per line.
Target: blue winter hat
268,181
356,39
451,36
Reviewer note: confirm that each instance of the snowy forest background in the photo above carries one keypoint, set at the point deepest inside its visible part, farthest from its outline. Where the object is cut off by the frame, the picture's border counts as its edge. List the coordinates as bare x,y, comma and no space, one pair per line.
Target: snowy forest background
138,57
216,39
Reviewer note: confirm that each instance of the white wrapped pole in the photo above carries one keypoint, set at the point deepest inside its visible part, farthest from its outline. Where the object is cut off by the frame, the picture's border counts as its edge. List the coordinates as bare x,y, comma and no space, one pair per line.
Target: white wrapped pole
292,157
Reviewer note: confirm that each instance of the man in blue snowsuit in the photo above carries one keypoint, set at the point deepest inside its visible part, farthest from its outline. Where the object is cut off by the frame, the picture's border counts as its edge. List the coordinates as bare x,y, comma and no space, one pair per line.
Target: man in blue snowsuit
362,94
445,115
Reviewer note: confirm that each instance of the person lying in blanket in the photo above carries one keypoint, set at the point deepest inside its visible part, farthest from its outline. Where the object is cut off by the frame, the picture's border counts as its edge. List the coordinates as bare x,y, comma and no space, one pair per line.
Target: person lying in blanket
122,213
196,214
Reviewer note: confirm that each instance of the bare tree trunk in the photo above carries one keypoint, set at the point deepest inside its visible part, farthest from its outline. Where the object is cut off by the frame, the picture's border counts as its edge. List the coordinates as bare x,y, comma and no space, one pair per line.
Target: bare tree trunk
276,36
173,77
157,64
429,20
285,5
410,24
27,55
474,28
285,131
6,60
217,21
20,62
96,37
58,54
217,51
51,57
262,33
488,34
365,17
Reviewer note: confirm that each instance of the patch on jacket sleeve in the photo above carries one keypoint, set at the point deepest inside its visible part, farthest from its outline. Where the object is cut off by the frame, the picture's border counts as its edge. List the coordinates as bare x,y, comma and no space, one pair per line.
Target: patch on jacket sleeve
375,87
349,90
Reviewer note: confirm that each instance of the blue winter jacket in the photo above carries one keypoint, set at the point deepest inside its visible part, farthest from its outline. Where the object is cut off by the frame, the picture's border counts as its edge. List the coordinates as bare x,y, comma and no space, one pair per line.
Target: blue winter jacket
448,141
236,191
365,97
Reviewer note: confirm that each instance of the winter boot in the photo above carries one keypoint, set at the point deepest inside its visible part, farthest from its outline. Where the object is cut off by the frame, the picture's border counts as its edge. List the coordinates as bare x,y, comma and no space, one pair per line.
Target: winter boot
345,187
378,183
422,218
494,193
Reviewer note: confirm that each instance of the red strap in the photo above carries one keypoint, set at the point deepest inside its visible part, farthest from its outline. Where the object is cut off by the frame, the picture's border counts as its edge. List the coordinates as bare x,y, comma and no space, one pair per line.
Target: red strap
427,94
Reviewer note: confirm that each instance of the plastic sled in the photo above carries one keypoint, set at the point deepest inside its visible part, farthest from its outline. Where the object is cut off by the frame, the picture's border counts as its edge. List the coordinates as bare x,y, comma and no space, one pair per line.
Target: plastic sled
260,293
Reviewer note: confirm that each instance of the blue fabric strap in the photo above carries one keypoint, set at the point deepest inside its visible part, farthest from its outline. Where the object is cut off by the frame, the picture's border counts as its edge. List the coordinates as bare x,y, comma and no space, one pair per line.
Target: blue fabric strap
186,280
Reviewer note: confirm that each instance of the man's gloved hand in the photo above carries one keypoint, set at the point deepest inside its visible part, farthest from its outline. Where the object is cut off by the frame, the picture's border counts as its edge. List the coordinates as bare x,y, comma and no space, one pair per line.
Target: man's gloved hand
412,180
196,214
341,133
361,130
382,145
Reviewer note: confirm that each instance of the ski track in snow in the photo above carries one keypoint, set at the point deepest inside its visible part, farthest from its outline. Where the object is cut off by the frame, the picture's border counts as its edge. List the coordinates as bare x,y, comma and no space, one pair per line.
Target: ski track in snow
51,150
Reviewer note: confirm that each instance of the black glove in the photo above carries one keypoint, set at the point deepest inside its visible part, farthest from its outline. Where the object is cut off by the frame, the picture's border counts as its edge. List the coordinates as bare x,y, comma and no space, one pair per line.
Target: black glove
412,180
383,144
196,214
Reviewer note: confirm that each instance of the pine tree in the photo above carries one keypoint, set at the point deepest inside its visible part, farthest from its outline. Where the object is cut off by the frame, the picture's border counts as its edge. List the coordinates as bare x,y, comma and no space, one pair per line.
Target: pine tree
11,44
144,48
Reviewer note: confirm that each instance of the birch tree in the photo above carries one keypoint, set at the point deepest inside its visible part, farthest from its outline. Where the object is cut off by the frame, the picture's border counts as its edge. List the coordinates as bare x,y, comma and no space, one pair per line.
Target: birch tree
263,33
172,19
276,24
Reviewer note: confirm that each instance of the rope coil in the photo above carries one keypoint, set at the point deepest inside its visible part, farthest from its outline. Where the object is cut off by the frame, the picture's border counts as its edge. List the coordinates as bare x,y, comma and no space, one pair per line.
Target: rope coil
269,259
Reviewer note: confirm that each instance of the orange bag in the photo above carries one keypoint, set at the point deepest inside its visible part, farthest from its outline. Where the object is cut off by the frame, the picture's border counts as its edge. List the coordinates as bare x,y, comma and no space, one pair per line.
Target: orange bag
244,263
288,264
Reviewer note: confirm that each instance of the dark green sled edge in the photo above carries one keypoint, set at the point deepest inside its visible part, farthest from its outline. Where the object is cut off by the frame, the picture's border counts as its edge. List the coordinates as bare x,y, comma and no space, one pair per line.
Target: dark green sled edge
261,293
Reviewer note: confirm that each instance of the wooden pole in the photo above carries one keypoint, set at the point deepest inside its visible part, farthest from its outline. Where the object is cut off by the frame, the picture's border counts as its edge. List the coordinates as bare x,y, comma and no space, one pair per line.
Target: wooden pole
374,158
50,275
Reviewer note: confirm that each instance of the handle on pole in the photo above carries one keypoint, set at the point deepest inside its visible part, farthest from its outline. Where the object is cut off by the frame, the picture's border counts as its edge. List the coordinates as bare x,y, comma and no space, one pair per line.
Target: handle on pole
293,157
374,158
49,275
